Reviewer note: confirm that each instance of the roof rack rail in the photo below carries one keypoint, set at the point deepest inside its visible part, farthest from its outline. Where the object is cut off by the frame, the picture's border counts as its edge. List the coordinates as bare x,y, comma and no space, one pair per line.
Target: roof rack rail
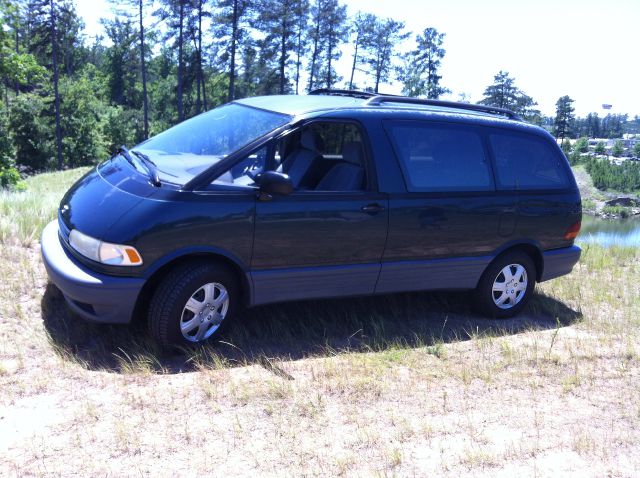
337,92
380,99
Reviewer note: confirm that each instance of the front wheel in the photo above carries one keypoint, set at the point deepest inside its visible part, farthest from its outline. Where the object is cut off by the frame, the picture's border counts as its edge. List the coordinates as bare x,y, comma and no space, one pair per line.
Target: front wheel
193,304
506,286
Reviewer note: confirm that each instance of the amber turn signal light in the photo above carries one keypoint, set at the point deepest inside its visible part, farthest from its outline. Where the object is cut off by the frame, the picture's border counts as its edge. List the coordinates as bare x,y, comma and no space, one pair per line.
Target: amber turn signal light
573,231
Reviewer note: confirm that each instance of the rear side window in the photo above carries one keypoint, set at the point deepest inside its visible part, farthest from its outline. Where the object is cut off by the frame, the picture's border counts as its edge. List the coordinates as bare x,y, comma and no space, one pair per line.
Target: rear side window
524,162
440,157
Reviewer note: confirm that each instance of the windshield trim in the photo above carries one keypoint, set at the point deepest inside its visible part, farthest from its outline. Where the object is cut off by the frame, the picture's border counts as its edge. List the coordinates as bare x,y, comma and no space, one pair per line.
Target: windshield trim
201,180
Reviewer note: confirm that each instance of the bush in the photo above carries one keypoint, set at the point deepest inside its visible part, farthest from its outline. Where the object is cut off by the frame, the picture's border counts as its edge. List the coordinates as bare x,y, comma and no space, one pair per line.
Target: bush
618,149
122,126
83,117
9,176
600,148
32,132
606,175
581,146
621,211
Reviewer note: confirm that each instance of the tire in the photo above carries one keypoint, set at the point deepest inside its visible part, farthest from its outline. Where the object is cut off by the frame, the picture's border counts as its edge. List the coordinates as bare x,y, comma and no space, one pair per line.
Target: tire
505,302
189,306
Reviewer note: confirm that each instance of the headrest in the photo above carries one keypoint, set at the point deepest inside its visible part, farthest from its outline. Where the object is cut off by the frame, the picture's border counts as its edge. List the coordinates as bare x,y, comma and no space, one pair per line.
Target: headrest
353,153
311,140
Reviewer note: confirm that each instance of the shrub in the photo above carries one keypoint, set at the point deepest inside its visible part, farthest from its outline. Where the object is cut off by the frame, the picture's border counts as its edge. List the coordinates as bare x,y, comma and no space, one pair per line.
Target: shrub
32,132
618,149
581,146
9,176
616,211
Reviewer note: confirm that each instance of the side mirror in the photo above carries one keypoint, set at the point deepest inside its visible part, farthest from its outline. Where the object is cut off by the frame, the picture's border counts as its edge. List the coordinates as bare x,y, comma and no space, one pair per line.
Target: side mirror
274,183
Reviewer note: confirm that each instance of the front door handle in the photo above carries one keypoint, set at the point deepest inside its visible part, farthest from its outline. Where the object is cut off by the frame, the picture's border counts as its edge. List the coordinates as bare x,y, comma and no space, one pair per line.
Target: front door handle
372,208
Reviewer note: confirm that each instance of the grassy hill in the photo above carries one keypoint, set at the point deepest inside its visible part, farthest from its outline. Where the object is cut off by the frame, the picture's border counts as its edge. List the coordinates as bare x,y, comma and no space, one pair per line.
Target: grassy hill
409,384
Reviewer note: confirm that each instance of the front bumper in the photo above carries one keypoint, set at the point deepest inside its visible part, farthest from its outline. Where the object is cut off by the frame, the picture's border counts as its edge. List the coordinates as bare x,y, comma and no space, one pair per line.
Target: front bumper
93,296
559,262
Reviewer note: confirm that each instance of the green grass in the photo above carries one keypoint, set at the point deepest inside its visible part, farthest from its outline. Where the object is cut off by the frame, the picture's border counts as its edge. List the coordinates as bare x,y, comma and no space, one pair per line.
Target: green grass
23,214
621,211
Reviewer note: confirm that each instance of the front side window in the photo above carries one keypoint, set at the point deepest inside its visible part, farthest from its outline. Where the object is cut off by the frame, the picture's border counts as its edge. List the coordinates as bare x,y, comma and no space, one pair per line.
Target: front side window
440,157
524,162
324,156
187,149
245,172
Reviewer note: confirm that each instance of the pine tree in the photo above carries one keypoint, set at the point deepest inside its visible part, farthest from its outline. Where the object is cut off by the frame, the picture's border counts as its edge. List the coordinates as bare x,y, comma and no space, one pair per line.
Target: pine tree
420,73
380,49
136,9
46,37
564,117
122,64
328,30
503,93
362,28
230,29
197,12
175,14
283,23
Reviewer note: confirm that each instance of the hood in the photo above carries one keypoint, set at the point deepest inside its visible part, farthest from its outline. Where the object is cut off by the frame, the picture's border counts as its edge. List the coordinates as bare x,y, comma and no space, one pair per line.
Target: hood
98,199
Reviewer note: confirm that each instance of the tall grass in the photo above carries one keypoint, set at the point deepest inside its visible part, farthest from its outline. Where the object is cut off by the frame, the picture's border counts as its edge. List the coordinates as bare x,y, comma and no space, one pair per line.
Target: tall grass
23,214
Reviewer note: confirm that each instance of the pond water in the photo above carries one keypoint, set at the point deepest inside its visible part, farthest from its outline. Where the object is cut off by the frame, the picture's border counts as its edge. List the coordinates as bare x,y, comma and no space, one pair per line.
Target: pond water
610,232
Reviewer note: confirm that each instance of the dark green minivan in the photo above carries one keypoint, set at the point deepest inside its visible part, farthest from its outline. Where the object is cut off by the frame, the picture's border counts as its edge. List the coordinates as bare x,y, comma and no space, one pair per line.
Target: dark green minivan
336,193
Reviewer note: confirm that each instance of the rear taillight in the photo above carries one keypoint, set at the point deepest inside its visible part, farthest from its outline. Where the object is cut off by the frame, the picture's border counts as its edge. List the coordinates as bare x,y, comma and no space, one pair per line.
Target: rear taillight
573,231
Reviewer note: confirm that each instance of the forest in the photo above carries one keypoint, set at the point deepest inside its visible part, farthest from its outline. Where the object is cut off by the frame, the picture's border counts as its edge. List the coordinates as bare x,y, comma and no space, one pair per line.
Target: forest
70,100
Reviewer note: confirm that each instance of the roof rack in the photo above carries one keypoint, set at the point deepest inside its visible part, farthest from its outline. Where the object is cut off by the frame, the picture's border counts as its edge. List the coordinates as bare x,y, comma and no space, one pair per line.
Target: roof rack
378,100
335,92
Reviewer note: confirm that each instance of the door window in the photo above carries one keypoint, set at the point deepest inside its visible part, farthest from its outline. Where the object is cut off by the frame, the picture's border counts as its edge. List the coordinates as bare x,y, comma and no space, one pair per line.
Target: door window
441,157
244,172
323,156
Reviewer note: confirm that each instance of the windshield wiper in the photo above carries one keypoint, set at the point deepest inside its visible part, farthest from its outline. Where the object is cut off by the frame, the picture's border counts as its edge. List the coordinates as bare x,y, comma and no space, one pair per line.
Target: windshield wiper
146,162
123,151
151,167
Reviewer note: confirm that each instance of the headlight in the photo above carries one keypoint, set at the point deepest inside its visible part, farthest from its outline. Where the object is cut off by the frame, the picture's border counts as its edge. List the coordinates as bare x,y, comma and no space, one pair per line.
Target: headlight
104,252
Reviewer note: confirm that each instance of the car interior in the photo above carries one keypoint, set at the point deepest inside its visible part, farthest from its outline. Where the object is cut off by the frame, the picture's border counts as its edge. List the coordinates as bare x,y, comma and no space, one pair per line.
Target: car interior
319,157
324,157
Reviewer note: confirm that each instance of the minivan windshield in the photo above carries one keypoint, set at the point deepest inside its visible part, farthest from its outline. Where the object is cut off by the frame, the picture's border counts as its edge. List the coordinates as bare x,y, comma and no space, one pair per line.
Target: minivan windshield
182,152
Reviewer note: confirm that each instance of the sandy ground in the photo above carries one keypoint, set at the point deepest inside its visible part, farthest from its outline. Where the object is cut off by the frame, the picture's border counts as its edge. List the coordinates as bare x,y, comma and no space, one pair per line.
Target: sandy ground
405,385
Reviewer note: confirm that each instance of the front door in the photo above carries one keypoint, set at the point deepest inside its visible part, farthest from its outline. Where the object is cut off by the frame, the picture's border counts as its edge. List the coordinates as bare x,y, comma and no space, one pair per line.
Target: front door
326,239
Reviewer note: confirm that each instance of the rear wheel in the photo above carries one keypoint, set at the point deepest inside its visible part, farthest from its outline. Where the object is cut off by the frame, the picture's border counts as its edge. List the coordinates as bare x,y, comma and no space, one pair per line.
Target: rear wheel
193,304
506,286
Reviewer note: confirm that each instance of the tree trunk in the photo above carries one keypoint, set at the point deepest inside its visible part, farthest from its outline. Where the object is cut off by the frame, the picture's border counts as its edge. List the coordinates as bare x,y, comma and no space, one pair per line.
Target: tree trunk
143,68
298,59
54,57
232,66
180,64
355,60
200,69
197,42
329,55
283,47
314,56
378,72
16,84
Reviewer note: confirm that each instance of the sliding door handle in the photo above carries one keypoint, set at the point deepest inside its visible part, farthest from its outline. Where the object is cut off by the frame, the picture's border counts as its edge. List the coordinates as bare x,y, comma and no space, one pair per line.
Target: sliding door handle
372,208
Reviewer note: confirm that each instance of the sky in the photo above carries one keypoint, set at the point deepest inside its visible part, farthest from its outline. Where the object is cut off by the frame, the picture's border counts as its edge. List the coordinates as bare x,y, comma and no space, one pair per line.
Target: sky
587,49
